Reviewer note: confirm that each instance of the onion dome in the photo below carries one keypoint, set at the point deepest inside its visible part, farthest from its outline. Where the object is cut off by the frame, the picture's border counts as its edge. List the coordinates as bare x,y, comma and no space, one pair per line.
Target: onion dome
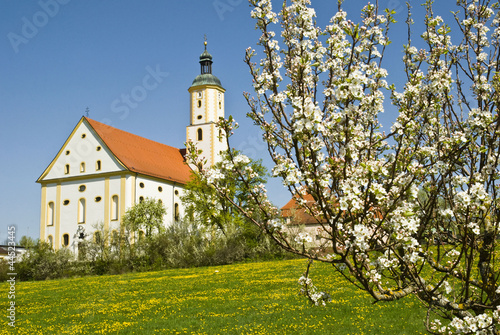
206,77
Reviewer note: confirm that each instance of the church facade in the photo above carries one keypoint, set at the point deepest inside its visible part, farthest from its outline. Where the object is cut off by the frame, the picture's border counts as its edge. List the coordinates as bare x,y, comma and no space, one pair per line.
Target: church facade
100,171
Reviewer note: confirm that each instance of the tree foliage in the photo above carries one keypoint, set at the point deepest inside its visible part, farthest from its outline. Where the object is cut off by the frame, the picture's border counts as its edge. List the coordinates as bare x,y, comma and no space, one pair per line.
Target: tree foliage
146,215
204,205
409,210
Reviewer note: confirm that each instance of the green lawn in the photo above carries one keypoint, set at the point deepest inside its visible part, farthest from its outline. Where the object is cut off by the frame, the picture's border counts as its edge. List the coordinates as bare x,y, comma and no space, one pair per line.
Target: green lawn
253,298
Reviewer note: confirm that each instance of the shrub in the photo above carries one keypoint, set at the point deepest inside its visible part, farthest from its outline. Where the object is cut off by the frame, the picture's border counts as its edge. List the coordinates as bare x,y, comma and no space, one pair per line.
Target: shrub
42,262
183,244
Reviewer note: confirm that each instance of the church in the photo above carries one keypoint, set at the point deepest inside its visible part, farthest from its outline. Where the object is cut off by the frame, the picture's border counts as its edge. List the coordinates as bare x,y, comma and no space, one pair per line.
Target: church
100,171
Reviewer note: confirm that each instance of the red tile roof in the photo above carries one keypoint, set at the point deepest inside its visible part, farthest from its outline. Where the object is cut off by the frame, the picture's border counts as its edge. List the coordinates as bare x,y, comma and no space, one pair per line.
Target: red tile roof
296,213
292,204
144,156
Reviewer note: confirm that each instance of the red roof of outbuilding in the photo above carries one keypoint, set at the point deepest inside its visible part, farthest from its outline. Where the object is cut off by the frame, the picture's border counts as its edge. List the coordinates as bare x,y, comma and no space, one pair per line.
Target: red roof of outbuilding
292,204
297,213
147,157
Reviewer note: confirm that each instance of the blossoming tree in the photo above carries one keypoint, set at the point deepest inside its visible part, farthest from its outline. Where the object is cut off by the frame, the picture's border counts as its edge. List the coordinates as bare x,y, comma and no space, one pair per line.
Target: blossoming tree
204,205
409,210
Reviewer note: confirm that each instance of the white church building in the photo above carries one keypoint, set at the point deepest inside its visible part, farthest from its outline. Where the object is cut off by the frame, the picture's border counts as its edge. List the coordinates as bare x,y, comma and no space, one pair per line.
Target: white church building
100,171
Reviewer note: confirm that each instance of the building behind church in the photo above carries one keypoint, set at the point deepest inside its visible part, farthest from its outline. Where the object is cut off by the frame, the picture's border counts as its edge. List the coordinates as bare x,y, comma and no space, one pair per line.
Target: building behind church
100,171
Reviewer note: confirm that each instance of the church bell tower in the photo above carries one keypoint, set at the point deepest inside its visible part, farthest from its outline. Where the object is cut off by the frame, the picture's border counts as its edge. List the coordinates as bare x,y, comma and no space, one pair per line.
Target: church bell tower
207,106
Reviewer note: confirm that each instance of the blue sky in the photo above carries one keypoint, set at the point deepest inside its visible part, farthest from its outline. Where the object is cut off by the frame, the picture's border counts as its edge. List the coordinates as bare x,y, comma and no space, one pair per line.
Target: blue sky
58,57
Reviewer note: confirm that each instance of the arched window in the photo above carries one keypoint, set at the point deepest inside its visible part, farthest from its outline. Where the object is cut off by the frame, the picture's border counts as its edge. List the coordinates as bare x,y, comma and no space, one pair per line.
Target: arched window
50,240
50,214
66,169
98,166
81,210
82,167
65,240
199,103
114,207
200,134
176,212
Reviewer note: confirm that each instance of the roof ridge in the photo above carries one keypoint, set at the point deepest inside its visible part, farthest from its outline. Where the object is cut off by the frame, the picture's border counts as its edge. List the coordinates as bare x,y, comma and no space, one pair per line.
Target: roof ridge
143,155
126,132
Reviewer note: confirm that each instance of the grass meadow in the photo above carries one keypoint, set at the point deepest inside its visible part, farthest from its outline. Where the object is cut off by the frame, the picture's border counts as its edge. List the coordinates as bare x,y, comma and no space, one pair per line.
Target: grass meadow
249,298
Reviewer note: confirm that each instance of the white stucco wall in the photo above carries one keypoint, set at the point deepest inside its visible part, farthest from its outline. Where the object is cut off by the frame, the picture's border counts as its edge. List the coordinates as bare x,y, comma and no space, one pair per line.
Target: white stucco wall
83,146
127,187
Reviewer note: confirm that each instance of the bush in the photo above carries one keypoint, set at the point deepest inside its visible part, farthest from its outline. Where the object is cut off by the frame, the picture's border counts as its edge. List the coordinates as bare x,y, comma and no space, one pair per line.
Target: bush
181,245
187,244
4,269
42,262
